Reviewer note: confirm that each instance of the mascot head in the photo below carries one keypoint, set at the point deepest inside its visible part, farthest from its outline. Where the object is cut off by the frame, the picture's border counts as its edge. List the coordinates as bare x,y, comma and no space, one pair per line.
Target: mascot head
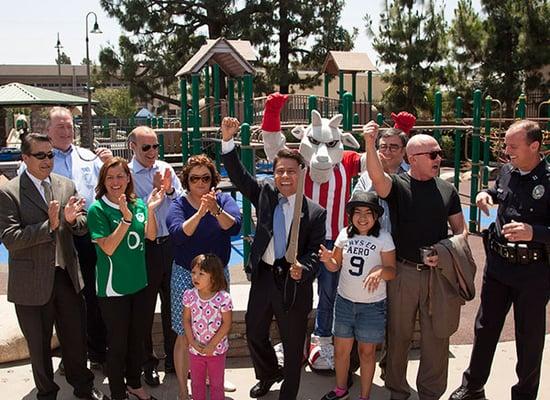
322,145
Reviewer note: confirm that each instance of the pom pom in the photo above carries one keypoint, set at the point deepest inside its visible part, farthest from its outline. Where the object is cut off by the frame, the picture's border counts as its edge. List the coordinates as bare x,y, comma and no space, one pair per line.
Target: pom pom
404,121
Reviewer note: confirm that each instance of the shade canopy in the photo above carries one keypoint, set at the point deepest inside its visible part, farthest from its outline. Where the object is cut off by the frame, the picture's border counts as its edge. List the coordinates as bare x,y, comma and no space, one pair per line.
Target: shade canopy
232,56
19,94
347,62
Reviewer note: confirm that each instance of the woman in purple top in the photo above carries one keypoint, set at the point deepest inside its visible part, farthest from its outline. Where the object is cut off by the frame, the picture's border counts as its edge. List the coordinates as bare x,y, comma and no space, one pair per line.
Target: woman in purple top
200,221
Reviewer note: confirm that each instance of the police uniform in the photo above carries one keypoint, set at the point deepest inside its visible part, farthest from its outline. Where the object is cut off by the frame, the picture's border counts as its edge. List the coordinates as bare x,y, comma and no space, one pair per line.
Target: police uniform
516,274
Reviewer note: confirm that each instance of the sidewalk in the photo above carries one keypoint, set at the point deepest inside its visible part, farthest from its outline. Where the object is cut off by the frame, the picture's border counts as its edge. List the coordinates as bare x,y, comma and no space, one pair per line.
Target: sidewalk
16,379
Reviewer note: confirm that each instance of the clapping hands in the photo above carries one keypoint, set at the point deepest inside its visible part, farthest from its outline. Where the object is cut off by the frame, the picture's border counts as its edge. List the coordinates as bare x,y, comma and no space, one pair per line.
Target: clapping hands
73,209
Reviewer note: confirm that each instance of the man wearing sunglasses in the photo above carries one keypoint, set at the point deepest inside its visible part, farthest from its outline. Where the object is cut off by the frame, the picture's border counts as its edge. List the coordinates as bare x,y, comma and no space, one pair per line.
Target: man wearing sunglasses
422,207
39,213
148,173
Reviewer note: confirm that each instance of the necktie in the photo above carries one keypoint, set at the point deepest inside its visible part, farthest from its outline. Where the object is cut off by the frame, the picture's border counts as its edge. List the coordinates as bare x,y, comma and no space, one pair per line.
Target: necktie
47,192
279,229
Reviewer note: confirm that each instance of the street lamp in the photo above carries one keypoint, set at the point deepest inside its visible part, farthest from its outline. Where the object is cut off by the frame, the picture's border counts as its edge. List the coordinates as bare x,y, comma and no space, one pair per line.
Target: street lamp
95,29
58,47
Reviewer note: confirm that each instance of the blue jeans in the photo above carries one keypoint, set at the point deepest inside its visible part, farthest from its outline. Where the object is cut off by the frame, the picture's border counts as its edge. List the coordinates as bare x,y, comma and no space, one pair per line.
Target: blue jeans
327,283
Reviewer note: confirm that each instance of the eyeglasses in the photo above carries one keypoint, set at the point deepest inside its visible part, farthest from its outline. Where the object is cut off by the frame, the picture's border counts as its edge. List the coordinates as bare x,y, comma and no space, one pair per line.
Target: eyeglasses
432,154
147,147
393,148
41,155
204,178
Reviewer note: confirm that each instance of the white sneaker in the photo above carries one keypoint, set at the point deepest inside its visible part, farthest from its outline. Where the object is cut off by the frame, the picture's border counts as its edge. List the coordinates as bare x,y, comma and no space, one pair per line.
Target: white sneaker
321,353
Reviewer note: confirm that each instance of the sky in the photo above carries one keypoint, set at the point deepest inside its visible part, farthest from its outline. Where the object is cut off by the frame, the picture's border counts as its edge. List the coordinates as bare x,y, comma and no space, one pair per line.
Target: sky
29,28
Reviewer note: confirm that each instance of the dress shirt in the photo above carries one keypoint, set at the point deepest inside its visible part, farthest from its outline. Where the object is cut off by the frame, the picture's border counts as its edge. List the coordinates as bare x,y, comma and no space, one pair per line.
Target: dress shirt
38,183
143,186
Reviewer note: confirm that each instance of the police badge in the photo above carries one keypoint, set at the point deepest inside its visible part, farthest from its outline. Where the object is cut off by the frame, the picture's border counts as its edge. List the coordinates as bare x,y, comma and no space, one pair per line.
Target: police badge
538,192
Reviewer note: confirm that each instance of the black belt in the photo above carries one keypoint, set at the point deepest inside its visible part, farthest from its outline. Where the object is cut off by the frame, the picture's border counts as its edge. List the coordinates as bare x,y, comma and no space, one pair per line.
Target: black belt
160,239
419,267
517,253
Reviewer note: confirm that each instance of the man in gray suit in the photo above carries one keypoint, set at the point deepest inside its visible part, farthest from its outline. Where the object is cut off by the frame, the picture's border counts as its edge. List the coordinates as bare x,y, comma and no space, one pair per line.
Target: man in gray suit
39,212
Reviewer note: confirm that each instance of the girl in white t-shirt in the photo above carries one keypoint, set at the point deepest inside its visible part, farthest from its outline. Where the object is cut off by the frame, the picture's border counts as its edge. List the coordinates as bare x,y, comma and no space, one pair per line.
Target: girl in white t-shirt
365,257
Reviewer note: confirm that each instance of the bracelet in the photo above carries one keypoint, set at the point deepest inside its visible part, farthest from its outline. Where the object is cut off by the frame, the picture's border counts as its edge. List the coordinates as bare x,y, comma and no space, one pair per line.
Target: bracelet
171,193
218,212
126,222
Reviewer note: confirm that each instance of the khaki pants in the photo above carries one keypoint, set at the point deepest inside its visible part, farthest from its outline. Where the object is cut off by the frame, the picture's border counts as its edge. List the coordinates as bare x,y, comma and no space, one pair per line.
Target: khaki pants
407,294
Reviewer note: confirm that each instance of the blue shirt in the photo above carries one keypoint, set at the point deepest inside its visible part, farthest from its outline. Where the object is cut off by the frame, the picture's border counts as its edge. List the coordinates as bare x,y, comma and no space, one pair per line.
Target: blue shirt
79,165
143,186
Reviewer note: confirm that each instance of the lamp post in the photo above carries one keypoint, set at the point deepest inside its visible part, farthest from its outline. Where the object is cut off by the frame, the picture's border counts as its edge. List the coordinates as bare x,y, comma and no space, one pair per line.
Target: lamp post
89,134
58,47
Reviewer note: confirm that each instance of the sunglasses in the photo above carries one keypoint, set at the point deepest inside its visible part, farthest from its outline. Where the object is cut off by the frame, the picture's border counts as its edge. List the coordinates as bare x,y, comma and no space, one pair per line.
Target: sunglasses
41,155
204,178
147,147
432,154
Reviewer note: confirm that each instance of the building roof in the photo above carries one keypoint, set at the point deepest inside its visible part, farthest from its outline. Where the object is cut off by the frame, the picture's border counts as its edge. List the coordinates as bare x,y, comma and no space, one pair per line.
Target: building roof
347,61
231,55
18,94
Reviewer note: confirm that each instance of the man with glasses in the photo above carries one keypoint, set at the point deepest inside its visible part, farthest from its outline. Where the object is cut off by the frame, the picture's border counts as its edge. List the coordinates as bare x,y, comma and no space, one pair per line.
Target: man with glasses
422,206
148,173
39,213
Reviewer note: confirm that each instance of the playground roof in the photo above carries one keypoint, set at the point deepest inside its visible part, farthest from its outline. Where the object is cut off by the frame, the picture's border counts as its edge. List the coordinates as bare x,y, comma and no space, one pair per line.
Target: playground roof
18,94
231,55
347,61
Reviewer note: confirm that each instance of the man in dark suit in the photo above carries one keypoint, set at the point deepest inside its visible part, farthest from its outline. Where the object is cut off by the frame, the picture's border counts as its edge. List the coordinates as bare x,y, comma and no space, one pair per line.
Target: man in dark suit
277,289
39,212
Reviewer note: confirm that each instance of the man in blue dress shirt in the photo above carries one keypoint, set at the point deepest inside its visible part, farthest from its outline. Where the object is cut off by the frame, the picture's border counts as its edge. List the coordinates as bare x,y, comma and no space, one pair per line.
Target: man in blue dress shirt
82,167
148,172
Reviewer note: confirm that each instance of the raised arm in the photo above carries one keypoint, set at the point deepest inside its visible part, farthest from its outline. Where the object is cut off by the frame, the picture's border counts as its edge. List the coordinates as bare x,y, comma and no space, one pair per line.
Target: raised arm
380,180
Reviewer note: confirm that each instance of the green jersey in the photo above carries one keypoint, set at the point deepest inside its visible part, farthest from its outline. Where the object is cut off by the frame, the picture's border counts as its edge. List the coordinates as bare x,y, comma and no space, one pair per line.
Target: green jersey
123,272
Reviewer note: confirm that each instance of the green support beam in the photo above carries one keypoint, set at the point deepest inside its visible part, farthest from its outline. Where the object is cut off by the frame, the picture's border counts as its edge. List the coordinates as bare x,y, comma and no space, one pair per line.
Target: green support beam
207,94
475,160
437,115
216,78
348,115
196,147
354,85
487,143
231,97
311,105
183,121
458,141
521,107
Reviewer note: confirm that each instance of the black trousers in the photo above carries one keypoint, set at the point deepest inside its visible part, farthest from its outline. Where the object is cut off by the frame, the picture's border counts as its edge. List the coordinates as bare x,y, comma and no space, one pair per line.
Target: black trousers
529,297
66,309
159,257
265,301
95,327
125,325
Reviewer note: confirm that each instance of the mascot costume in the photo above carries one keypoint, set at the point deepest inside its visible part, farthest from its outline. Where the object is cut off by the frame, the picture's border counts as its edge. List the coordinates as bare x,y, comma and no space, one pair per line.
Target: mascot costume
328,183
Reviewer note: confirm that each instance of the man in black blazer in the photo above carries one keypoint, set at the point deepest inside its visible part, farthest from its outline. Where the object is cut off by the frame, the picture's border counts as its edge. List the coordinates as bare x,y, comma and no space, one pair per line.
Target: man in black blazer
277,290
39,212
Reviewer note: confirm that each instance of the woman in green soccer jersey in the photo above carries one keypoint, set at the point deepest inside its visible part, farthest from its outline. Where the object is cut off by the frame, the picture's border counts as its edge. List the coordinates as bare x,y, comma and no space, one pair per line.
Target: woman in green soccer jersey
119,222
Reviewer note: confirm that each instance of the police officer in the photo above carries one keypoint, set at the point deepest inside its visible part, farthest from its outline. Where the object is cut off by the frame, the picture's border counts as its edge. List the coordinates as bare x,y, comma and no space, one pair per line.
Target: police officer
517,271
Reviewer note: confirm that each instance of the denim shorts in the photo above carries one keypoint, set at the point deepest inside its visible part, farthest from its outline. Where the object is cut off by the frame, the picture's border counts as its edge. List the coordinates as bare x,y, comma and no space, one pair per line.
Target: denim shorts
366,322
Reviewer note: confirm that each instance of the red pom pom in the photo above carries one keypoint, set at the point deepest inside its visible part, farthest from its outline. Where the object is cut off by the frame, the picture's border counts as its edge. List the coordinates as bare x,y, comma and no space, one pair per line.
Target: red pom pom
271,121
404,121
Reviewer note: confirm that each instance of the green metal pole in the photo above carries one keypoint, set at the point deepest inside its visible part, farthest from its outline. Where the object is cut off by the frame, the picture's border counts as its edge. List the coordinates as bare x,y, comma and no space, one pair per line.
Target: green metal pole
231,97
458,141
248,115
132,123
196,148
207,94
161,146
327,82
369,93
311,105
521,107
106,132
161,122
191,124
380,119
354,85
356,119
437,115
240,88
348,115
487,143
183,121
248,162
341,92
154,122
216,78
475,160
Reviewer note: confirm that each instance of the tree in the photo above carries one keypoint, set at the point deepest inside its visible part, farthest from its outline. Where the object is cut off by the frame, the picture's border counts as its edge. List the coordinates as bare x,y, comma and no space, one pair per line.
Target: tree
503,53
115,102
63,59
412,40
163,35
300,33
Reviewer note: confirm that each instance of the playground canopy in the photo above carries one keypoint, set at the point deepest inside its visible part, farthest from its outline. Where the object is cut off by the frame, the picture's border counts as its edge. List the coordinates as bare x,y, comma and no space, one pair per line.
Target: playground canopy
347,62
18,94
232,56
